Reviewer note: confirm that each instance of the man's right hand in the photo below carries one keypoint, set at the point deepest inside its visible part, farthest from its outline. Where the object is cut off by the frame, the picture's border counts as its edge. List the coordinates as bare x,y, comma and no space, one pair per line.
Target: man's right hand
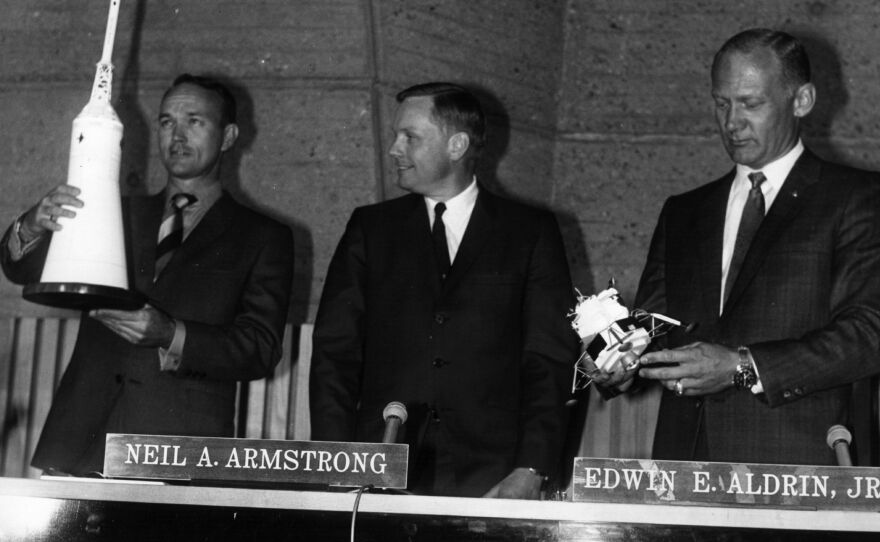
43,216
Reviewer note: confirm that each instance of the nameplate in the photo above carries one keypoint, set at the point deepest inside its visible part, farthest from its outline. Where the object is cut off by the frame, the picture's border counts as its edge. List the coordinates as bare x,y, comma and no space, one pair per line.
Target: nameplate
646,481
162,457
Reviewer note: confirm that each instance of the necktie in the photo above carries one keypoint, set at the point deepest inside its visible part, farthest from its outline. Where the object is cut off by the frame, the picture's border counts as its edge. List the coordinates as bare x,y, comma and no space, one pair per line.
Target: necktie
171,231
752,214
438,232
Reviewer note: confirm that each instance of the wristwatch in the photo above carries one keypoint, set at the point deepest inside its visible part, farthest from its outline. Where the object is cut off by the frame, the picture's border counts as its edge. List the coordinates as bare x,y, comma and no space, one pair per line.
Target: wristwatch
745,376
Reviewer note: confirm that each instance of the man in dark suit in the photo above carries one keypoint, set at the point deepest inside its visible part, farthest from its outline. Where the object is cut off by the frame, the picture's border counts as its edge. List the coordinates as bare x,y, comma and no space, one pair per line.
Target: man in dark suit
778,264
453,301
216,305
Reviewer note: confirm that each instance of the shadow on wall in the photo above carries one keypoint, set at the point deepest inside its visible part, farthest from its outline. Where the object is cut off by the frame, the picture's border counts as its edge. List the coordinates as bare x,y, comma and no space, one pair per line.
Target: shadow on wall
498,132
832,96
232,181
136,138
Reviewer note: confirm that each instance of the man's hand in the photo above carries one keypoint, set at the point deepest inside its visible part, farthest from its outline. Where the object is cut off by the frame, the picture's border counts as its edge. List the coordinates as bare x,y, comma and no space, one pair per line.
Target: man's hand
621,374
42,217
147,326
519,484
702,368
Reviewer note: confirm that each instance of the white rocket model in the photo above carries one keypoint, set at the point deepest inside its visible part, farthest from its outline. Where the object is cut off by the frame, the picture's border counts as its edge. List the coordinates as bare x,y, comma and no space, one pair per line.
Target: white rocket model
85,265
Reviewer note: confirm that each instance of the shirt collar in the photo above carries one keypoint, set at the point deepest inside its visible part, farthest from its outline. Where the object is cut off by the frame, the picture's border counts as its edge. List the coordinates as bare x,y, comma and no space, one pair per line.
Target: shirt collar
776,171
206,195
461,202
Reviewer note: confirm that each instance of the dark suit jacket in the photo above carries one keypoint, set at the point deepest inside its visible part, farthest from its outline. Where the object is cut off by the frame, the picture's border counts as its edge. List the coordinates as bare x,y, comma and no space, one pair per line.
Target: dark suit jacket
806,302
488,352
229,282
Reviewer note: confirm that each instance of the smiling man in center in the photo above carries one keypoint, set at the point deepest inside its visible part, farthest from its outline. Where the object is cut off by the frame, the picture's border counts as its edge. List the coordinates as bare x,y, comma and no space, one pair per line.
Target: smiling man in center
452,301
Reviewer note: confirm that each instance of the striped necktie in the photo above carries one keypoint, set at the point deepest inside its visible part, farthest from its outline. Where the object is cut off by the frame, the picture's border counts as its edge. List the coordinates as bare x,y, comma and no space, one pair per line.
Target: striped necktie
752,215
171,231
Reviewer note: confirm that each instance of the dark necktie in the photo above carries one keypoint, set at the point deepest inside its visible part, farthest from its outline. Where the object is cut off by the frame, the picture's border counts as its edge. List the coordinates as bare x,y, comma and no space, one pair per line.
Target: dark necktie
752,214
438,232
171,231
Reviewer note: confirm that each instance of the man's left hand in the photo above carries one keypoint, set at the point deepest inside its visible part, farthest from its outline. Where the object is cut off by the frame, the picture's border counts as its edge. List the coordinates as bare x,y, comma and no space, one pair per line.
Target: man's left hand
519,484
701,368
147,326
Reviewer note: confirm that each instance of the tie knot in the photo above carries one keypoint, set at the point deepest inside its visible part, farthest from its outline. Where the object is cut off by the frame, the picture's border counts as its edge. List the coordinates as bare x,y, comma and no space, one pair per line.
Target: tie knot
756,178
181,201
439,209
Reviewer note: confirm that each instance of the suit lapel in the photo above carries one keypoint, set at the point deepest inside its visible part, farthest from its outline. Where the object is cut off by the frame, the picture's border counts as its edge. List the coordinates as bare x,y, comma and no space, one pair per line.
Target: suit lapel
786,205
478,231
216,221
711,220
415,241
145,215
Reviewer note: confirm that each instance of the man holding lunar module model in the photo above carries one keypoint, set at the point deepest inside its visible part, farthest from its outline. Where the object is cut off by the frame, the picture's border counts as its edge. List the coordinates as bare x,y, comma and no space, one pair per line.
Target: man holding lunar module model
216,304
777,264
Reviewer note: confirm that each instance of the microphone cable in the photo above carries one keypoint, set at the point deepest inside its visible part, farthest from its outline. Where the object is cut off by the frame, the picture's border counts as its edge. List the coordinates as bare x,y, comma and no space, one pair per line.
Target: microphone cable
357,502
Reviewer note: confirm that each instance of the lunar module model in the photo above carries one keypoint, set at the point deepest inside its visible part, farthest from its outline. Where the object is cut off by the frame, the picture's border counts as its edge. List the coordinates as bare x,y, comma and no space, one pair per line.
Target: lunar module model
612,335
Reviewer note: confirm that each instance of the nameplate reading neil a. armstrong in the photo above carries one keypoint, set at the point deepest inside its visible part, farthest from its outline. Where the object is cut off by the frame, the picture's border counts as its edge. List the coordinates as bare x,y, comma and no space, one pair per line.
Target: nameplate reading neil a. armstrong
647,481
255,460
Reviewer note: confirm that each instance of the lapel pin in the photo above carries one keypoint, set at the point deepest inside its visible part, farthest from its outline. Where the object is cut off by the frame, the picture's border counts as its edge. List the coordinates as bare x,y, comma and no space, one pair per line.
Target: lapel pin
794,193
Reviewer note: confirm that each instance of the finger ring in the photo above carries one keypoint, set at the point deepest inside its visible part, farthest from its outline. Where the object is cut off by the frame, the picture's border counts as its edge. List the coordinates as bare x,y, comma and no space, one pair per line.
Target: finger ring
679,389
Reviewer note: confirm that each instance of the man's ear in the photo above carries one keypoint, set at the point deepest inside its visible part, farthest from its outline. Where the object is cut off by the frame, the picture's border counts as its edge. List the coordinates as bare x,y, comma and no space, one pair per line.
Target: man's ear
230,134
458,145
804,99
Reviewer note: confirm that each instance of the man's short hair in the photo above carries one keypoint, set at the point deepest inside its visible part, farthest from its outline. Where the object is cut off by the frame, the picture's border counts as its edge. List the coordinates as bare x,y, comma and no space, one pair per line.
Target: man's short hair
227,100
788,49
454,106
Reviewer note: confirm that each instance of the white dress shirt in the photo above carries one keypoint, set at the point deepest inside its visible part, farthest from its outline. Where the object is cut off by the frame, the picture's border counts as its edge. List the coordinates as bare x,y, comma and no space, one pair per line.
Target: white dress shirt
775,172
456,217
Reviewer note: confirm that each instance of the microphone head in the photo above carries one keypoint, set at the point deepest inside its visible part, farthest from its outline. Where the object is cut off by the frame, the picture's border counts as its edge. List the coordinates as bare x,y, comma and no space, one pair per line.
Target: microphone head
837,433
396,409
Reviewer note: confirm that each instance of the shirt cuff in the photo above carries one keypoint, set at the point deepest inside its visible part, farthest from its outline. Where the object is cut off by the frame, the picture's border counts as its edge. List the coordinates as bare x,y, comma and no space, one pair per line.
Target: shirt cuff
19,247
169,359
758,387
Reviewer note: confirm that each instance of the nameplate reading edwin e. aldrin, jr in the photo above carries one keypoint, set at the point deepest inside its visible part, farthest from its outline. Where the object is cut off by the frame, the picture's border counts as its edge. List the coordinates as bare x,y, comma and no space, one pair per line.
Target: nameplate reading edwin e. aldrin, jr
647,481
254,460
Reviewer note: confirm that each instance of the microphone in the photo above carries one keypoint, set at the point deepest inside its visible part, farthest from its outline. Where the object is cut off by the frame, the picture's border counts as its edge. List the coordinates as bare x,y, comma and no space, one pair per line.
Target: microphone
838,439
395,416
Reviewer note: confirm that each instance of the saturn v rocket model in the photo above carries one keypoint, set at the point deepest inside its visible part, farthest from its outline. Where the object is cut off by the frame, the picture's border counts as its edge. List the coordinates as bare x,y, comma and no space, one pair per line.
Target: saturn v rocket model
85,265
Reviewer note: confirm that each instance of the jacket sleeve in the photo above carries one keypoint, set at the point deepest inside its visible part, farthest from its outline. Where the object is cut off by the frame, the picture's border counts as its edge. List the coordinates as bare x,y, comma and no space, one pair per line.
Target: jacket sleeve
338,340
847,348
29,268
249,346
549,353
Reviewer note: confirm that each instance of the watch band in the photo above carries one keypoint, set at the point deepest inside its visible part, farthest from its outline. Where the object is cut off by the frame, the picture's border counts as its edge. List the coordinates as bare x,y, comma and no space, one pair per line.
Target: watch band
745,376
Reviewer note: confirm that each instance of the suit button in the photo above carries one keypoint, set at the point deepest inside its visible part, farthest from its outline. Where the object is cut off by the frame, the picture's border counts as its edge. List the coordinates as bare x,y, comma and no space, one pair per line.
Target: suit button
786,394
798,391
440,318
438,362
698,403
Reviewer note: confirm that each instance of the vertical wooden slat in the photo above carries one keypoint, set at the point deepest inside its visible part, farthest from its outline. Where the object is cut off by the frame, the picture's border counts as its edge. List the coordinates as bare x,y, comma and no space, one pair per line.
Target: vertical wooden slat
7,362
15,456
277,398
68,330
43,383
256,401
299,424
